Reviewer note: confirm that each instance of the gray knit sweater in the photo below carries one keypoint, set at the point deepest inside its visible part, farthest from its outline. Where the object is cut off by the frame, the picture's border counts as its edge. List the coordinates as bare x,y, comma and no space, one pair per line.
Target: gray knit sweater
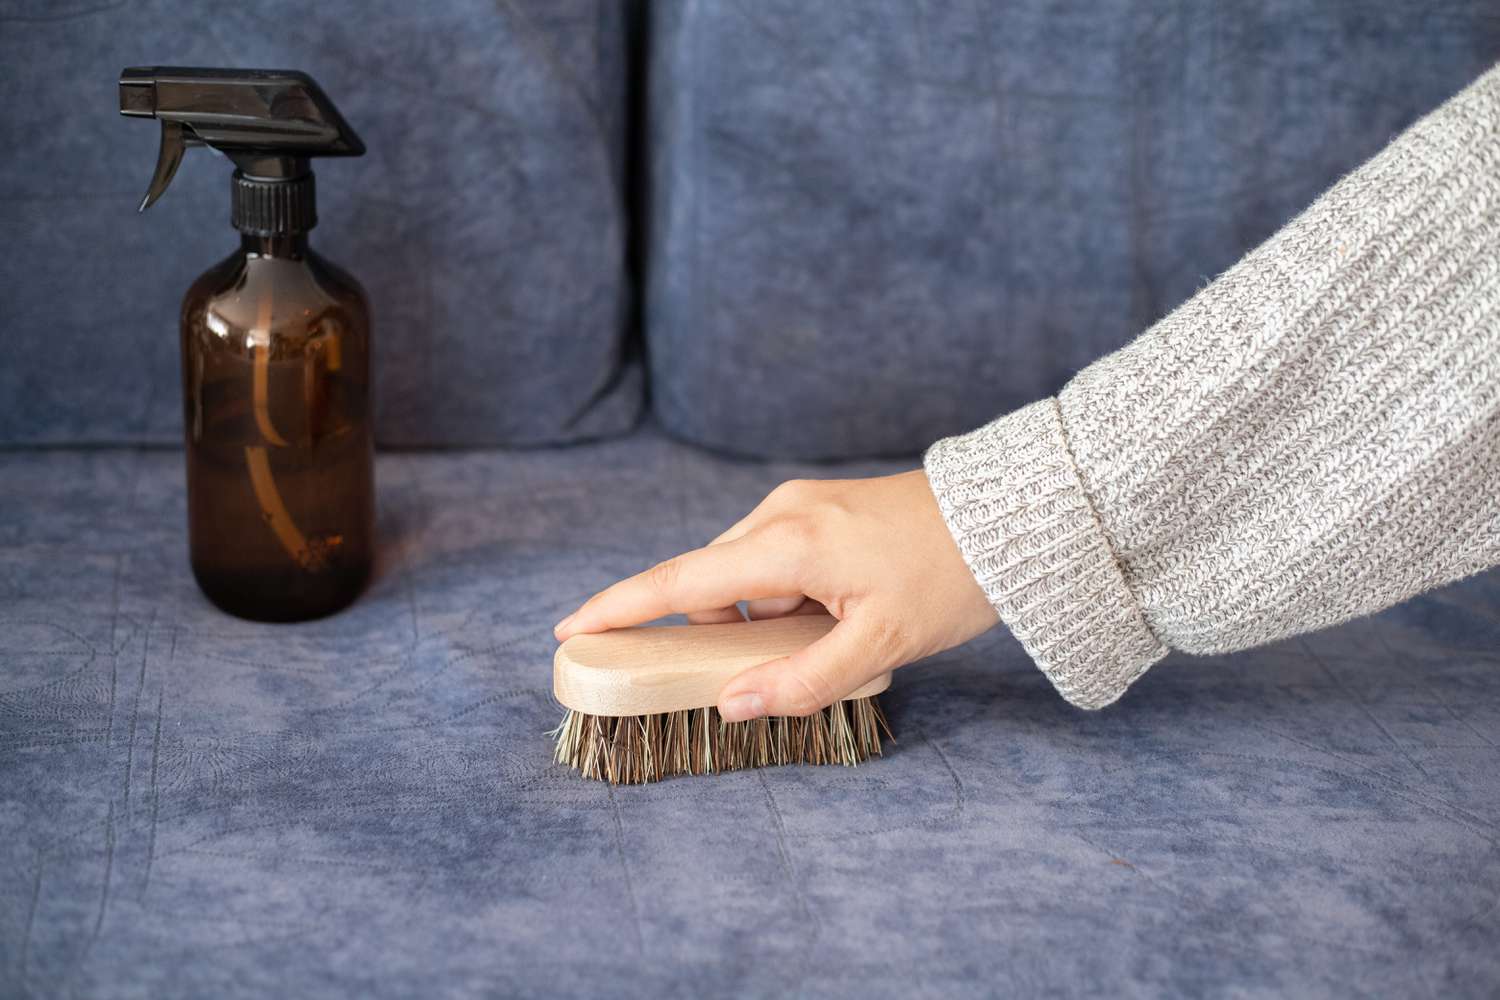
1312,437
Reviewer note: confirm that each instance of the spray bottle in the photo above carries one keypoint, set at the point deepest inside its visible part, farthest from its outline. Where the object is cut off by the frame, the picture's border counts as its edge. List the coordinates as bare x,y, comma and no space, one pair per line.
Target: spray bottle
275,351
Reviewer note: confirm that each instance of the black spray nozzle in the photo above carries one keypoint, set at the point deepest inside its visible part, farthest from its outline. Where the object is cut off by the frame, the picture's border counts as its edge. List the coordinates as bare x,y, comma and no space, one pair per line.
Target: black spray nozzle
269,122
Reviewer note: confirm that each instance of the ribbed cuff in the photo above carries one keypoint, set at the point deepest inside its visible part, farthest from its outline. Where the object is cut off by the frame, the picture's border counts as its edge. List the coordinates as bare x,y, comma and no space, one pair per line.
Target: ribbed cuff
1016,507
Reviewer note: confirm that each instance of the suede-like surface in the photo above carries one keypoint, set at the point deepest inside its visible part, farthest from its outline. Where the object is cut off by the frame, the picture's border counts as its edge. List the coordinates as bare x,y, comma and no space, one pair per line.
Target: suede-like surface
486,221
194,806
876,224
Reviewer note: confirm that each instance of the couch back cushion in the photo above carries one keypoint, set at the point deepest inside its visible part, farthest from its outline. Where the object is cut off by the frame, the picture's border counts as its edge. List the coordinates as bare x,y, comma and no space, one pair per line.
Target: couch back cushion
877,224
485,222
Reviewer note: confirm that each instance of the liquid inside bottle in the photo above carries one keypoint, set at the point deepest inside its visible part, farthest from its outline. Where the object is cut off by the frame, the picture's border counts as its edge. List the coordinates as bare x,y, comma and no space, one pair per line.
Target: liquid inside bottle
276,389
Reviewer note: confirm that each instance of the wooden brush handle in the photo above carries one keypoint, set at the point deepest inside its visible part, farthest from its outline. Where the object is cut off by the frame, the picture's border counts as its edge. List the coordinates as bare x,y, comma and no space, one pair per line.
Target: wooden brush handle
643,671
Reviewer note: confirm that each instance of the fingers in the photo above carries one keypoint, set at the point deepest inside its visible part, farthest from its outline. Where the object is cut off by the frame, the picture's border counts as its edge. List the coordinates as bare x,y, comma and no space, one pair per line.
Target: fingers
714,577
731,613
773,607
813,677
766,607
716,616
645,597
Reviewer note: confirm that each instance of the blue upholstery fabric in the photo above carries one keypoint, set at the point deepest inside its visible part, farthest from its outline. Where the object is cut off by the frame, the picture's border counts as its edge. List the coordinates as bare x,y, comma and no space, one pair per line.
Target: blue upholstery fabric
364,806
871,224
875,224
486,221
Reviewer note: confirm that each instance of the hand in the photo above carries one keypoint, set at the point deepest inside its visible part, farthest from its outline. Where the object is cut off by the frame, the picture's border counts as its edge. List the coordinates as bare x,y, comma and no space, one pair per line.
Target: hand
874,553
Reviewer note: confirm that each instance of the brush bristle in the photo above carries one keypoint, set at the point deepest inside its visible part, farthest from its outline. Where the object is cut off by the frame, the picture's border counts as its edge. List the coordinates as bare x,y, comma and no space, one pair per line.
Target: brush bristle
634,749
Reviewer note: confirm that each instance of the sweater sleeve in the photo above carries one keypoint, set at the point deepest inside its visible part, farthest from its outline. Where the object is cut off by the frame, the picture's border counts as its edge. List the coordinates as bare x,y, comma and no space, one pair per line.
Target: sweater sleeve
1312,437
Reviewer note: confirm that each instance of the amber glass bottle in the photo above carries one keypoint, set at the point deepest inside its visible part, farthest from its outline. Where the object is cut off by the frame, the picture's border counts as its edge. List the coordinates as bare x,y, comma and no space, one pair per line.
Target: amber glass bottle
275,350
276,391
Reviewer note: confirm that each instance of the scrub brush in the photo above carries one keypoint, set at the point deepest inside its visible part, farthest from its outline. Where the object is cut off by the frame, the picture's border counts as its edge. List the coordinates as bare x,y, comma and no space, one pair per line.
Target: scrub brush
640,703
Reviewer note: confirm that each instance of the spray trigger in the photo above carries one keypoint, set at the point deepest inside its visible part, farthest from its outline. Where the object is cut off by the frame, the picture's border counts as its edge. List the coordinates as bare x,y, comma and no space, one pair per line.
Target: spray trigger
174,142
268,122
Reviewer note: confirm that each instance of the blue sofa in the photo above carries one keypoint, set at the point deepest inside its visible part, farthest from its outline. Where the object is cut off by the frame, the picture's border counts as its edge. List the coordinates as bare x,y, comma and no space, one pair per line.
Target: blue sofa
828,234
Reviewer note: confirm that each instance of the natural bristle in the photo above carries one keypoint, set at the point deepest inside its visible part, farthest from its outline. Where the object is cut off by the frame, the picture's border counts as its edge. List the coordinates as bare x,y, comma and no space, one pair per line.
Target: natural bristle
634,749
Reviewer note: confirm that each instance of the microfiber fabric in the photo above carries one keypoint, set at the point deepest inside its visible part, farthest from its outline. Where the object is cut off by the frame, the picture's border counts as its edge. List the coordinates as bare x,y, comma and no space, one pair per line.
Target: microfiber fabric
877,224
365,806
486,222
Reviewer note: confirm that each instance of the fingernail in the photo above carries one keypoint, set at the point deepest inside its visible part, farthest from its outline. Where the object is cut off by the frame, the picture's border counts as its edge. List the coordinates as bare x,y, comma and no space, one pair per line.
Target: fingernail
558,628
742,706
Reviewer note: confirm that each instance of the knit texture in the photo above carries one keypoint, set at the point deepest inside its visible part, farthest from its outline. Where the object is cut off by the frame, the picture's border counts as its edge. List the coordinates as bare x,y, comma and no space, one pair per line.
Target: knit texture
1312,437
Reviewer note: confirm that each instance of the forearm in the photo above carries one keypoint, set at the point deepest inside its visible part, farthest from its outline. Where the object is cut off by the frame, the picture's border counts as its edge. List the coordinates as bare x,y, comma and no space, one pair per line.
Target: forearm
1312,437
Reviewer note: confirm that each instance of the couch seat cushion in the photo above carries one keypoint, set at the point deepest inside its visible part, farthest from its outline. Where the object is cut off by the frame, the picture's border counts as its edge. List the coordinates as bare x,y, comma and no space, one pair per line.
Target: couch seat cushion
191,805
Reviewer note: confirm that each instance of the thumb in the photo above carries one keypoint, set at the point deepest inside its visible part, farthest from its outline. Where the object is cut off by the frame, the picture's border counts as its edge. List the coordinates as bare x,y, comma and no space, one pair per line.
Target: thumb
814,677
